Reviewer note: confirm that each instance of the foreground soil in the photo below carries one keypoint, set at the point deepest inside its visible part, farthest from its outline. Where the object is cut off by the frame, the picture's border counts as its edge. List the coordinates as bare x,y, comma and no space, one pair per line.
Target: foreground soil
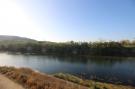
6,83
30,79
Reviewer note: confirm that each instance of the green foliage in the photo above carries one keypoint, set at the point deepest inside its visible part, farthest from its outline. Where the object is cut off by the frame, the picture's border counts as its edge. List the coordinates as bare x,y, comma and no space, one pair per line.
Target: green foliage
122,48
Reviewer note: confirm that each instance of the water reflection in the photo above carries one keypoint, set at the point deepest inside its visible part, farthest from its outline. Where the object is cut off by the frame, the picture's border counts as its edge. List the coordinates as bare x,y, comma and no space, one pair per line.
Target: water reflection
108,69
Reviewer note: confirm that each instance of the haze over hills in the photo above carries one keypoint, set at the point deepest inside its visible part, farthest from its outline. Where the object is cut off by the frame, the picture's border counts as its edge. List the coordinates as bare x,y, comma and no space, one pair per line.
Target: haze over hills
14,38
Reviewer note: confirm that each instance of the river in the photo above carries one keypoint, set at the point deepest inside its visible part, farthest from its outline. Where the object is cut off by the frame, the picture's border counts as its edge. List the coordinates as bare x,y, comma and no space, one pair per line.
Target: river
108,69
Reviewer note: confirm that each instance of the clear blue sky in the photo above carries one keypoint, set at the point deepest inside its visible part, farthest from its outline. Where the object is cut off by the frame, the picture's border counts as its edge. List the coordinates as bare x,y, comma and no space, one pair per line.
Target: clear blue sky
81,20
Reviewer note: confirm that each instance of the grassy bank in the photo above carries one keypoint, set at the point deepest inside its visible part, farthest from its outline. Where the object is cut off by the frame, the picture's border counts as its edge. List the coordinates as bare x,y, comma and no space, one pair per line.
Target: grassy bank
35,80
90,83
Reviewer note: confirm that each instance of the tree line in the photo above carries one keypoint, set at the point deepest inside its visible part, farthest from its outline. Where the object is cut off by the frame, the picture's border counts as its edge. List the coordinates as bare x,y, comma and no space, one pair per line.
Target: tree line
111,48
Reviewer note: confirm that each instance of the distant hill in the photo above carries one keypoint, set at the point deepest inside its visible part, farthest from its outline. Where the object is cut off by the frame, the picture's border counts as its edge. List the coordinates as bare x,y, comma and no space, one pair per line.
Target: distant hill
7,40
14,38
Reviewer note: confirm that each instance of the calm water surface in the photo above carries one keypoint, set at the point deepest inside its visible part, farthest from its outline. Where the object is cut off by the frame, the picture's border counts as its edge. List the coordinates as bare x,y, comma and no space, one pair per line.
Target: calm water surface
116,70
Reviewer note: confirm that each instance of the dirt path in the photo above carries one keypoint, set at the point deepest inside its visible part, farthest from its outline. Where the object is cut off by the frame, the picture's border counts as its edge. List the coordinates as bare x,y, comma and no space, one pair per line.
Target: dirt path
6,83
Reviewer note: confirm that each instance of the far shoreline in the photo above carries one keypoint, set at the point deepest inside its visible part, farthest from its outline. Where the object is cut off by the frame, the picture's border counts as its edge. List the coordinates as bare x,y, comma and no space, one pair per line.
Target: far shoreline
59,55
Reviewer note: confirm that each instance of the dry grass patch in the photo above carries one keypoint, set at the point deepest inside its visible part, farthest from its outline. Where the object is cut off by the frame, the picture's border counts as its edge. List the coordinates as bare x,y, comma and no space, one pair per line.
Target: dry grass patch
35,80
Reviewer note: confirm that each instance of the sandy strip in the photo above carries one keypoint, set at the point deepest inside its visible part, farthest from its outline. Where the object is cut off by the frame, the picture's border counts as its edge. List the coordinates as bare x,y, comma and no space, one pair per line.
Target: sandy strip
6,83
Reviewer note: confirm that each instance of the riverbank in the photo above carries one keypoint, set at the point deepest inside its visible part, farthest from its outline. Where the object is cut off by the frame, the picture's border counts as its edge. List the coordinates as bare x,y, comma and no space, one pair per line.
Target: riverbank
108,48
91,83
35,80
